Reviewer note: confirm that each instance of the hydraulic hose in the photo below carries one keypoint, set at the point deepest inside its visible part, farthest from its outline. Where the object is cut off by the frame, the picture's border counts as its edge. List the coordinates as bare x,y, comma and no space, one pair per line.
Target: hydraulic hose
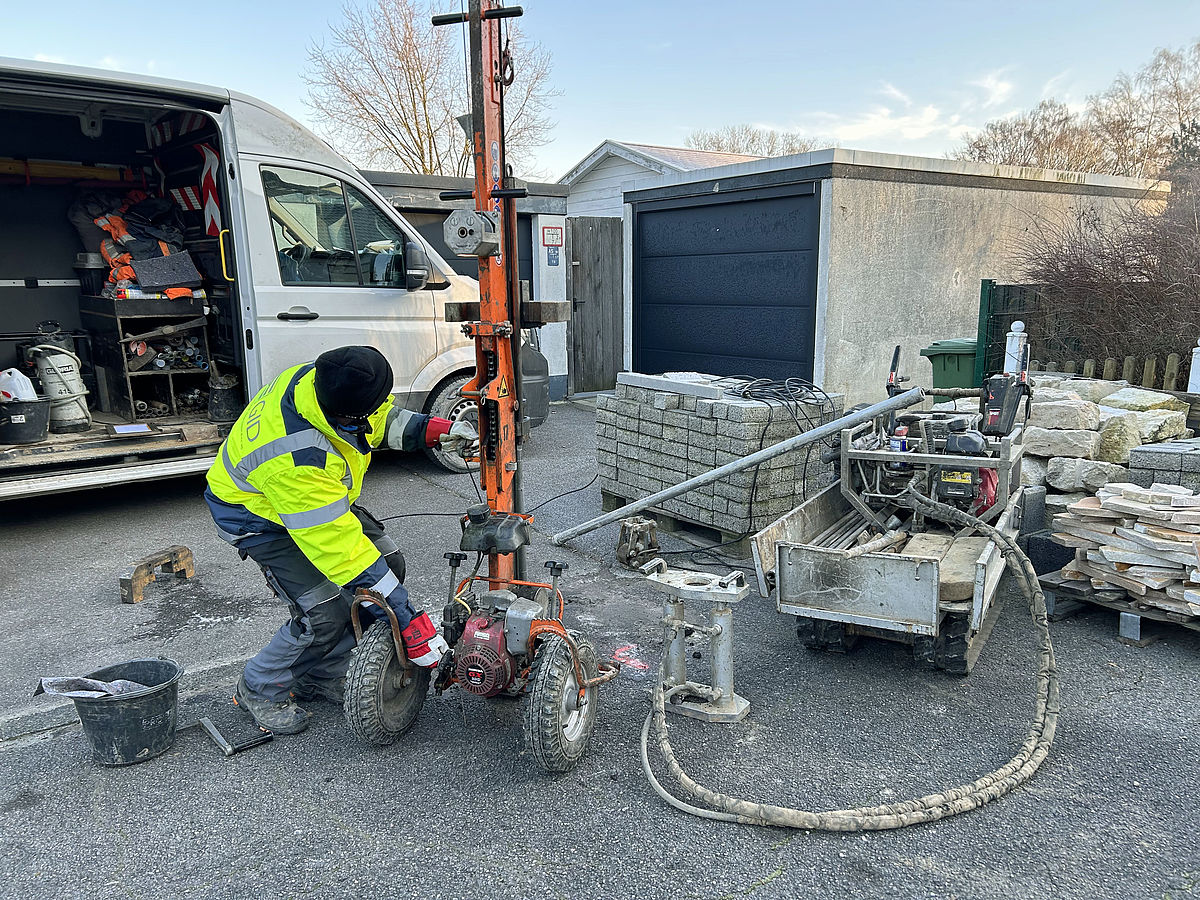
929,808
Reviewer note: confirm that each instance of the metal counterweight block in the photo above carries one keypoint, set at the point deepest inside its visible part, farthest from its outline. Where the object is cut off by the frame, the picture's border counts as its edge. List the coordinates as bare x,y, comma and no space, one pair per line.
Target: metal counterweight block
719,702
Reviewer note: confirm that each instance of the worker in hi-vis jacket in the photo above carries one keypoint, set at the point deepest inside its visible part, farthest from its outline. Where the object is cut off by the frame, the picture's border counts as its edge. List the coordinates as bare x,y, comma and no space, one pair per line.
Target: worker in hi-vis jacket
282,491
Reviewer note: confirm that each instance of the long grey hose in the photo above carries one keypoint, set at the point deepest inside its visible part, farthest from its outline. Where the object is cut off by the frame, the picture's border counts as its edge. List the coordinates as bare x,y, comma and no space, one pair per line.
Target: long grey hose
929,808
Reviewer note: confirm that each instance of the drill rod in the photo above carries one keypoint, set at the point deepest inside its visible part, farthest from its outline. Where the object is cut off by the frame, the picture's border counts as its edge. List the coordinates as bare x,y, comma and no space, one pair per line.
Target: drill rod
911,397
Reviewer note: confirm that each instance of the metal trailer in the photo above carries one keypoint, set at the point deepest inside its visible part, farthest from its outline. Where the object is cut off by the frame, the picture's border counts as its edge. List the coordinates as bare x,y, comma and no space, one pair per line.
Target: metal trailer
804,561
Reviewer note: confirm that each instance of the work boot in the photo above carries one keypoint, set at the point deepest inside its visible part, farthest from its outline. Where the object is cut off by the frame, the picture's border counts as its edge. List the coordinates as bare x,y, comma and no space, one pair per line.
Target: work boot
309,688
281,717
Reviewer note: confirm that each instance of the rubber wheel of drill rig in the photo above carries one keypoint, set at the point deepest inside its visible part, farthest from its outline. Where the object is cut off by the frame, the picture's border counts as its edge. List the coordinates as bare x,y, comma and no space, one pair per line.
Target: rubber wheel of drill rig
557,730
820,634
448,403
378,706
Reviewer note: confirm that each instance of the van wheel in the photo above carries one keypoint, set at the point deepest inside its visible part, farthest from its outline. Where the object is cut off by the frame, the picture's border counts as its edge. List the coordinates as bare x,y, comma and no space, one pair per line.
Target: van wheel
448,403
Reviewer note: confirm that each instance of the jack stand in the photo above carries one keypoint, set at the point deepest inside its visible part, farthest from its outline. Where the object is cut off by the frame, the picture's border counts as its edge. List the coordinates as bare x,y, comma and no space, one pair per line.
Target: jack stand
722,591
638,542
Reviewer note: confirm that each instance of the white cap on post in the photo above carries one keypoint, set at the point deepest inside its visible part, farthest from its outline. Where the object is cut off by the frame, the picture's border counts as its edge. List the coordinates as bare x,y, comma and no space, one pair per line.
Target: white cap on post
1014,348
1194,376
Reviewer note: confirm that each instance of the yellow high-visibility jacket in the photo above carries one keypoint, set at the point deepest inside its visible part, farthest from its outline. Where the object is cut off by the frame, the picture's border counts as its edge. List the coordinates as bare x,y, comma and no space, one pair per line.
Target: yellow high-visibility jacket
285,468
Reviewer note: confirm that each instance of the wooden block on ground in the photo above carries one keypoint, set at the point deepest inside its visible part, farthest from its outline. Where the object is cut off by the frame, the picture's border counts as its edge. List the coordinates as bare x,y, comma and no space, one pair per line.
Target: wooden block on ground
956,571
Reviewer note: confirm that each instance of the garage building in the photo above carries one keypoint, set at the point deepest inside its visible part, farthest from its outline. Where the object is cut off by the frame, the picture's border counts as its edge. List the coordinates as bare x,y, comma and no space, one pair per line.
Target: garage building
817,265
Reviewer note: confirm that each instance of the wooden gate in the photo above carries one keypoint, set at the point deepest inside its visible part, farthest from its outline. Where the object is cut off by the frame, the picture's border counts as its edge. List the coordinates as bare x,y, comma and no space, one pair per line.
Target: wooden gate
594,283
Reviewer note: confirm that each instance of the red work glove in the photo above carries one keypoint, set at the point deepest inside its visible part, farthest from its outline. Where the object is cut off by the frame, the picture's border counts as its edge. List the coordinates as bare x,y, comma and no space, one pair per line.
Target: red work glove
435,429
423,643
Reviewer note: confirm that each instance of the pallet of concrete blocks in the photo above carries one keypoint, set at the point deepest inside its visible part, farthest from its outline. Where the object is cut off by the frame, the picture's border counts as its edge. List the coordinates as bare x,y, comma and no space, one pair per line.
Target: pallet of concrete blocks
1144,542
656,431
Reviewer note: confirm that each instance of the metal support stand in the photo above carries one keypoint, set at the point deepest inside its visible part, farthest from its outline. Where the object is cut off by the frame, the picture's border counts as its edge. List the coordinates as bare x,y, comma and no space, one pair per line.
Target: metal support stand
716,702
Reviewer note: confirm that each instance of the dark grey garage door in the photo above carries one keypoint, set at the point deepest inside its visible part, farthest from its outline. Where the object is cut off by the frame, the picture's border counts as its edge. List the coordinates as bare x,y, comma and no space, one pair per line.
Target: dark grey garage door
728,284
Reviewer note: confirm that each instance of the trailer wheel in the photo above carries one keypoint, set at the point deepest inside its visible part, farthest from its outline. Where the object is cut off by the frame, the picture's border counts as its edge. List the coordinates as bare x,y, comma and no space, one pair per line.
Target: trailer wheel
379,705
557,726
447,402
819,634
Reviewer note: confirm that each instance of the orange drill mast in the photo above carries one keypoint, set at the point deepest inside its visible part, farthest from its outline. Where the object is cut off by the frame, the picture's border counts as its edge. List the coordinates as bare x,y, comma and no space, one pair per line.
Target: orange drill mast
497,332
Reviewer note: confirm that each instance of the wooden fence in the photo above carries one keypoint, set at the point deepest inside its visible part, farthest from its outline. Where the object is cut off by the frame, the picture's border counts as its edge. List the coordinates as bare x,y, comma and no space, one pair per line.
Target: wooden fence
1143,372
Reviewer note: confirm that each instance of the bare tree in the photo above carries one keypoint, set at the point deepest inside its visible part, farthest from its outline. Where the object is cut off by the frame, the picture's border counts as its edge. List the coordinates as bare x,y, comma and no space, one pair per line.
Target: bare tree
1122,284
1125,129
388,87
1047,136
752,141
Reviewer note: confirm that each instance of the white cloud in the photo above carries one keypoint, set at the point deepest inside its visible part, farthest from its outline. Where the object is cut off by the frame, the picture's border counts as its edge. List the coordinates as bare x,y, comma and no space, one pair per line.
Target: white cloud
48,58
996,90
1056,84
890,90
884,123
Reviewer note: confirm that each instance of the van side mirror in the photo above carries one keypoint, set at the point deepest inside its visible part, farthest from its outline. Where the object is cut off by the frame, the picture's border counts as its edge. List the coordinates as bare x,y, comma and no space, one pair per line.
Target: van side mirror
416,266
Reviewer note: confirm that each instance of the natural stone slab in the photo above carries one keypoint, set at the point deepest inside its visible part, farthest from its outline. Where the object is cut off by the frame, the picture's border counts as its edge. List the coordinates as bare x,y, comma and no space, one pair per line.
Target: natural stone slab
956,571
1057,503
1082,474
1065,414
1161,424
1033,471
1053,396
1119,435
1139,400
1050,442
1094,390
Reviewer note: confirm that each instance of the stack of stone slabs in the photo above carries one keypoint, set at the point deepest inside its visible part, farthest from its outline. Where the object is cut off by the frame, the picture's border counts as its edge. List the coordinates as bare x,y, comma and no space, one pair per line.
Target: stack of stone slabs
657,431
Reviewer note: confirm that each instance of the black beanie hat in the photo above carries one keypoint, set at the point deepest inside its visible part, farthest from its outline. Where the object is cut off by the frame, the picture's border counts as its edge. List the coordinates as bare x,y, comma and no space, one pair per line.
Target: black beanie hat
352,381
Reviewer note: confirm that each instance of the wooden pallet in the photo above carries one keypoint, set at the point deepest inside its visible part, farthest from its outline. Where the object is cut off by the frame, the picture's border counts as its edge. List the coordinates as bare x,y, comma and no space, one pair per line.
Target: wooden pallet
1065,596
736,545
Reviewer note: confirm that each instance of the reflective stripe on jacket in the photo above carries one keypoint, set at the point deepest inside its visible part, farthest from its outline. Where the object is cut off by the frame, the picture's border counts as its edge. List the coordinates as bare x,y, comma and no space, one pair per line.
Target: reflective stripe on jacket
284,467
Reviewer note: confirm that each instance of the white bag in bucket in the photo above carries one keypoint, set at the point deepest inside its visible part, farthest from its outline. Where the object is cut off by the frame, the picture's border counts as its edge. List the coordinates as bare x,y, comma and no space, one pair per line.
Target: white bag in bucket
15,386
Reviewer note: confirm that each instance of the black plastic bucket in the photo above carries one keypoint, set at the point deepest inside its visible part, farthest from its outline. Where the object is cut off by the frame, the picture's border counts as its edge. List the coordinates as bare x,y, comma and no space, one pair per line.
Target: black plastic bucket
24,421
135,727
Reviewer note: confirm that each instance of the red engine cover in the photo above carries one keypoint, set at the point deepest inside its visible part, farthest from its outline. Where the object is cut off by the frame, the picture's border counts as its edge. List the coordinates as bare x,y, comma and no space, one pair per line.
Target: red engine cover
483,665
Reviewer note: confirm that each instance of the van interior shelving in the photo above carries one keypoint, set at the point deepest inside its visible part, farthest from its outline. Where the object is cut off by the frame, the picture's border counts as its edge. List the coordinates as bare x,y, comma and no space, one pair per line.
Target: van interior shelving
54,147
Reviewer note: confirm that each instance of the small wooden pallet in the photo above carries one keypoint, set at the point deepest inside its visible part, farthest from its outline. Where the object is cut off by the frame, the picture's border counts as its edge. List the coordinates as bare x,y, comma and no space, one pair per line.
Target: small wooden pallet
736,545
1066,596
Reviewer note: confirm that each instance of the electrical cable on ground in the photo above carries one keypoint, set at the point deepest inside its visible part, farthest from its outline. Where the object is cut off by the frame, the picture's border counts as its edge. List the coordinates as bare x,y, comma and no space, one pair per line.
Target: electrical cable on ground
929,808
566,493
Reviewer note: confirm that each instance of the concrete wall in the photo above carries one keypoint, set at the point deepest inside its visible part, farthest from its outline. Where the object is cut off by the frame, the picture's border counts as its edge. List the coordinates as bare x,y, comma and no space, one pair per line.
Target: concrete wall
598,193
904,263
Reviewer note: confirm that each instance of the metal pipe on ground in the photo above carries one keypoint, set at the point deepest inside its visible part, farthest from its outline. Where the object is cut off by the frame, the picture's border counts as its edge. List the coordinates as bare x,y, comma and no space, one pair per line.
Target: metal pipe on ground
911,397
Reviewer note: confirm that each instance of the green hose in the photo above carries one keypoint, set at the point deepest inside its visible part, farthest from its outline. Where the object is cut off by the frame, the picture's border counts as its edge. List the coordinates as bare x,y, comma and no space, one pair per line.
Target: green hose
929,808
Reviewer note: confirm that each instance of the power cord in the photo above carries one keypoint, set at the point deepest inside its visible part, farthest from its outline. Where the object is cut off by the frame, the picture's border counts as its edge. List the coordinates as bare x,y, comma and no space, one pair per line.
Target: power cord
565,494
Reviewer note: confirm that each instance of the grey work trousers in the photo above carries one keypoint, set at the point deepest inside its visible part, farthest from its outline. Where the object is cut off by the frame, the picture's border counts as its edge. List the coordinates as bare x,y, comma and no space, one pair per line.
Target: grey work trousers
317,640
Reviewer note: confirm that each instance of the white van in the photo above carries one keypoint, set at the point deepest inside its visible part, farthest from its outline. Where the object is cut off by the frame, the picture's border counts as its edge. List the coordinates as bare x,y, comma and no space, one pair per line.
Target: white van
296,253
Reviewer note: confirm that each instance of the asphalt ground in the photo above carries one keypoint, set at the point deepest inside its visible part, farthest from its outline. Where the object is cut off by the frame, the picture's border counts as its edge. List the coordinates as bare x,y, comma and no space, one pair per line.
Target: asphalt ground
457,809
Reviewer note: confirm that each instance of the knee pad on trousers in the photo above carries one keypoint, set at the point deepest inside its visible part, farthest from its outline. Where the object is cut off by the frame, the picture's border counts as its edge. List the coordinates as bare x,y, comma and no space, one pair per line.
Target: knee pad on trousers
327,622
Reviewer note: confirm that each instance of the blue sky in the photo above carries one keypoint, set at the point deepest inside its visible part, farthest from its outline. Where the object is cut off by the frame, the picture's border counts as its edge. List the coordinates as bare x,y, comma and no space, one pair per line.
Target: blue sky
901,77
